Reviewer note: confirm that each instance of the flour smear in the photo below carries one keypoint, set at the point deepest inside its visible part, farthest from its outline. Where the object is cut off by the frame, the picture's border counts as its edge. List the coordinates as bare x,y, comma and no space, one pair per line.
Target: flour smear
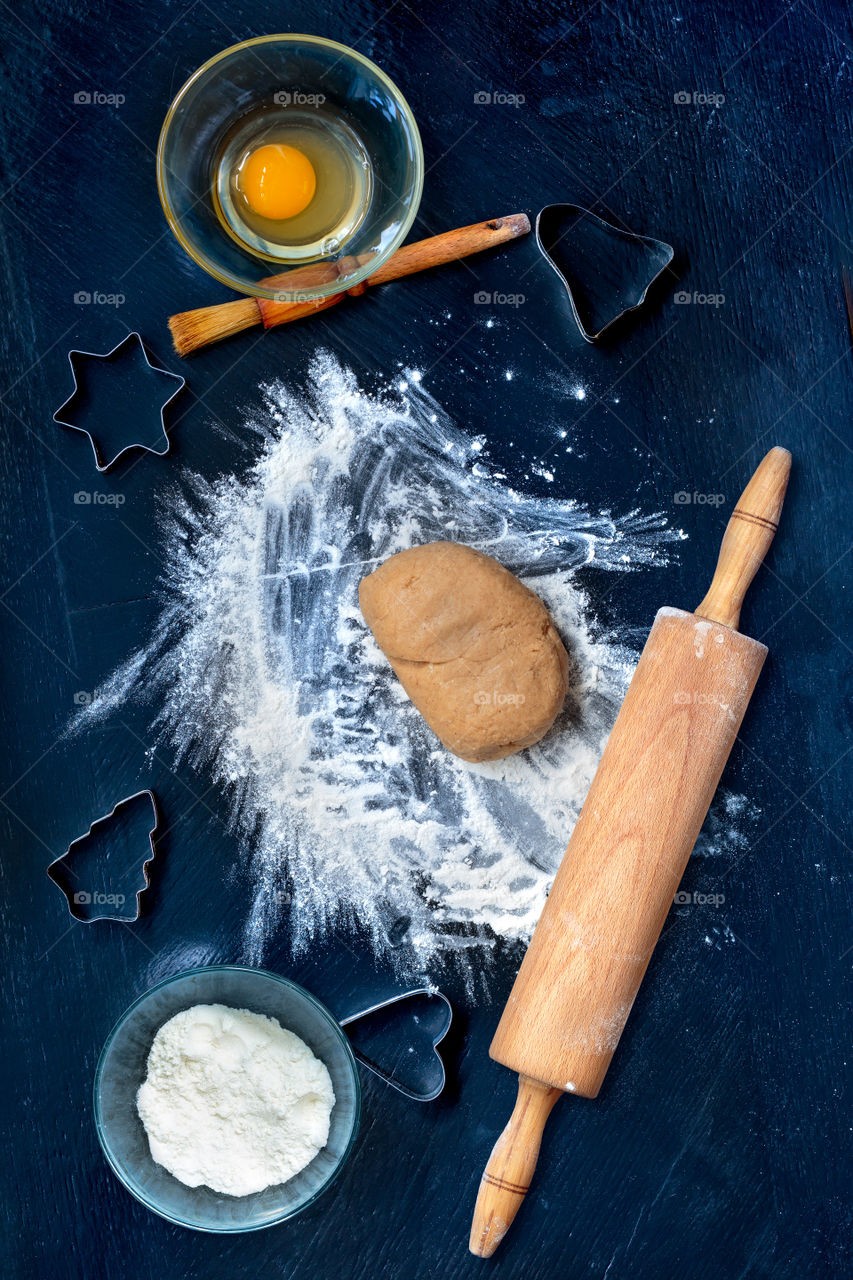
267,680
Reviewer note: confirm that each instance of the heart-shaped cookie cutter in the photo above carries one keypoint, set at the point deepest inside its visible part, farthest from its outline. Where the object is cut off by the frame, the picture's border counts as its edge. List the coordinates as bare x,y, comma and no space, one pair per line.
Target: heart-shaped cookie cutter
437,1032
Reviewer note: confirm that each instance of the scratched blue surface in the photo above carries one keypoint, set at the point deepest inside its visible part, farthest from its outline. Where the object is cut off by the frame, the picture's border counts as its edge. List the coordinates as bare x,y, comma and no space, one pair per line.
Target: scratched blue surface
719,1147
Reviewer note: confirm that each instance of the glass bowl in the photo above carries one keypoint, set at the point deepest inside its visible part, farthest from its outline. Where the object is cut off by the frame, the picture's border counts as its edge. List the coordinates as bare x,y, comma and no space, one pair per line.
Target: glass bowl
285,73
122,1069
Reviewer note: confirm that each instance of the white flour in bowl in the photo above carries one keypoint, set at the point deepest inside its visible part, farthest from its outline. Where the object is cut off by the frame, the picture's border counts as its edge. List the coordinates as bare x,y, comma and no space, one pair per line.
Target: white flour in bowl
233,1101
270,684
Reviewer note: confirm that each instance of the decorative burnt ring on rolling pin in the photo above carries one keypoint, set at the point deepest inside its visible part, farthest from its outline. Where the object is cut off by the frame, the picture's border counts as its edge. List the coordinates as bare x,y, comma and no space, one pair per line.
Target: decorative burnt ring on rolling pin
753,519
504,1185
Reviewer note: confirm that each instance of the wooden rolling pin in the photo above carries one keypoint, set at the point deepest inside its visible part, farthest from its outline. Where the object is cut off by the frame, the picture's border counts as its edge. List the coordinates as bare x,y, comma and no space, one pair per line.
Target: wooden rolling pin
627,854
193,329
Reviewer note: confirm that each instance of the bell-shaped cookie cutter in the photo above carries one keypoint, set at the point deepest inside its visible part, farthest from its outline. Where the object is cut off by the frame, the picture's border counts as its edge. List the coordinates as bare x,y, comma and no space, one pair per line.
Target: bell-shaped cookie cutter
659,251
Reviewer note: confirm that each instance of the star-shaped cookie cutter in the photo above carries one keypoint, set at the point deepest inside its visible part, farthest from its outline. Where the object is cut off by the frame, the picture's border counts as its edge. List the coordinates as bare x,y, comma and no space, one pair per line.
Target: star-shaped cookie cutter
66,411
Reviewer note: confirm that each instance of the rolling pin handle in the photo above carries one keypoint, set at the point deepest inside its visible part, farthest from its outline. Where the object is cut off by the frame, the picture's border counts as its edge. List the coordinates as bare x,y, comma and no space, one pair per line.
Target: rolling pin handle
747,539
507,1175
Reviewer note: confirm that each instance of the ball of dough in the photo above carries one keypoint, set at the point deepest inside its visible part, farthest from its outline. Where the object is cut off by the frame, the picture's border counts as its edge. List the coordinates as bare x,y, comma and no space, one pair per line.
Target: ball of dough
475,650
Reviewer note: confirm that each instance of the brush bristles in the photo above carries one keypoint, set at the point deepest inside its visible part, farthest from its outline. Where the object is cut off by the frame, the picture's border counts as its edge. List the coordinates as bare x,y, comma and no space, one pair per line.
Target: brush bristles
193,329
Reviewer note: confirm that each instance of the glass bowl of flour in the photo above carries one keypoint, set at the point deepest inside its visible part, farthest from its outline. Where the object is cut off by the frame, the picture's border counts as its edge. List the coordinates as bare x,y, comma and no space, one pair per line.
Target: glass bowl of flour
280,1100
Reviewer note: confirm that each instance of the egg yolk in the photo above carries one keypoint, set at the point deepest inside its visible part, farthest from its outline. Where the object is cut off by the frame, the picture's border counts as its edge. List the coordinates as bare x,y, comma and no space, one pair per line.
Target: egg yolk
277,181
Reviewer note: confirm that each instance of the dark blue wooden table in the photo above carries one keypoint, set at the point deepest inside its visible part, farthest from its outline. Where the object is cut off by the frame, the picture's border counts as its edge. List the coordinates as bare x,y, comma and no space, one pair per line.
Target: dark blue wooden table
719,1148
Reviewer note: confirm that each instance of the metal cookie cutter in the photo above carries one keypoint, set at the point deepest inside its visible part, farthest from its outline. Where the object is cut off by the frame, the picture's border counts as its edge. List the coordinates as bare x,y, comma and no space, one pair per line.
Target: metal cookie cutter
114,391
426,1074
606,271
77,899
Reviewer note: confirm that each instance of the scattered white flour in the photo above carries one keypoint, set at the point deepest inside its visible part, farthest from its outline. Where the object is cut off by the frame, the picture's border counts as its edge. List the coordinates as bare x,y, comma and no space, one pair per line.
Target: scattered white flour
269,682
233,1101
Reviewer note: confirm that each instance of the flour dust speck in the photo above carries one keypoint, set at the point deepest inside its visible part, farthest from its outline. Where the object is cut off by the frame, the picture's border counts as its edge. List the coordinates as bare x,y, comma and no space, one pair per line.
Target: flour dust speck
265,677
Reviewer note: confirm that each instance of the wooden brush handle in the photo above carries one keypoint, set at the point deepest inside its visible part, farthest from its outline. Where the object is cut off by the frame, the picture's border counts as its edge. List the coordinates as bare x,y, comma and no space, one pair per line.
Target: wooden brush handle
435,251
450,245
747,539
507,1176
